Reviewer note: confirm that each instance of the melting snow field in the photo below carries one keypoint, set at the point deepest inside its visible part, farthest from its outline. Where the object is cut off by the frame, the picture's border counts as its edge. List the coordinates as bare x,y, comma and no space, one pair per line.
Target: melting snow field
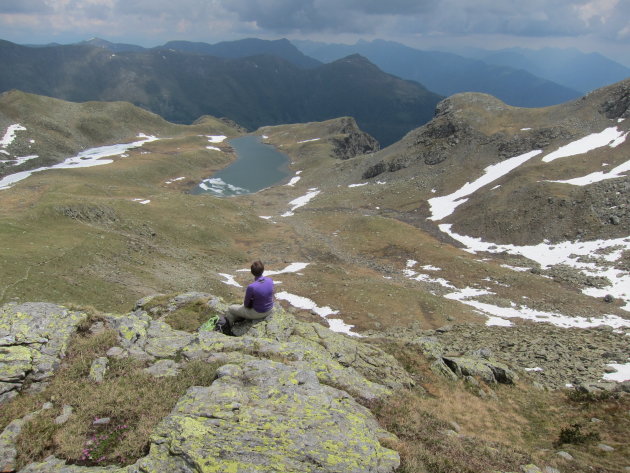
301,201
612,137
87,158
598,176
9,135
501,315
578,254
569,253
219,187
444,206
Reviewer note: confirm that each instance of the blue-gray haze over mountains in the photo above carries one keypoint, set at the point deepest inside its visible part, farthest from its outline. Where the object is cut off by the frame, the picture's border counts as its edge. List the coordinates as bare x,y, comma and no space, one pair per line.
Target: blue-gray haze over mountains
520,83
259,82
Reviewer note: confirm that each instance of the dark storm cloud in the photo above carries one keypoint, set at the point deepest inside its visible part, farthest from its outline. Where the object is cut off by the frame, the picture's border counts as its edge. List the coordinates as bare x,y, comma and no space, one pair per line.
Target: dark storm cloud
23,6
340,16
457,17
180,9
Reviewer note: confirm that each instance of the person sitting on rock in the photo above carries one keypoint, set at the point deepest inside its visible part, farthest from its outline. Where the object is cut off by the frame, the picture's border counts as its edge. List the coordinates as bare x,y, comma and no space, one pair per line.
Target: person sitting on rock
258,302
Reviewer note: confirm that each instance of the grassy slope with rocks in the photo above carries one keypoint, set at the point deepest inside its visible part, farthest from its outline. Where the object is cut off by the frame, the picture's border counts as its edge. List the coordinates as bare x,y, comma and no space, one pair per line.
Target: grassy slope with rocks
108,251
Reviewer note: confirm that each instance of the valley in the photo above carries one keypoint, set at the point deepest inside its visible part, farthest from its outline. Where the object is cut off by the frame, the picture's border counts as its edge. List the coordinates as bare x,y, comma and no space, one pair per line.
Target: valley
464,230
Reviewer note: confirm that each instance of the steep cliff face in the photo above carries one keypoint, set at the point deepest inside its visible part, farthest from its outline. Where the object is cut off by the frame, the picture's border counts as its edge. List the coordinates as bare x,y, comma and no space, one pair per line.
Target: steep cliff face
349,141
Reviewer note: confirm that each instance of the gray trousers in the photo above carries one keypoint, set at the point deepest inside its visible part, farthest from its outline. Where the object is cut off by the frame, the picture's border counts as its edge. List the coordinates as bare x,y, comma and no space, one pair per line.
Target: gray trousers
237,312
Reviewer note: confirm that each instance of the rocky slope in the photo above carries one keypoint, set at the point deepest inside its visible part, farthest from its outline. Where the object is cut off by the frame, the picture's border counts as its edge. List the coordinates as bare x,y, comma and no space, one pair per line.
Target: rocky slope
290,408
472,131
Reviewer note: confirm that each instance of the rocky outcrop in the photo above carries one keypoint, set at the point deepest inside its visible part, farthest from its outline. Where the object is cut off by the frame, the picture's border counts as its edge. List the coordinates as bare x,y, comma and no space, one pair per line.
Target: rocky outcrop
349,141
33,339
617,101
540,353
285,398
267,416
479,365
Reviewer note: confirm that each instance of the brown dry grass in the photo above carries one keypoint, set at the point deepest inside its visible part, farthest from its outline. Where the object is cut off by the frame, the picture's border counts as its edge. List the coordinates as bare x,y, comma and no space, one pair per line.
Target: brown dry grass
519,425
133,400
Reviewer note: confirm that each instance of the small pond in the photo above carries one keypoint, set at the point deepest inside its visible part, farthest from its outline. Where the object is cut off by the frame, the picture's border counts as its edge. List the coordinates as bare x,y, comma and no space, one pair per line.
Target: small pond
257,166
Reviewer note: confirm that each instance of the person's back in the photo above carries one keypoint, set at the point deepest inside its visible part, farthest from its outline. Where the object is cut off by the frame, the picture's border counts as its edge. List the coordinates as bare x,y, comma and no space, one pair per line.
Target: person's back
258,301
259,294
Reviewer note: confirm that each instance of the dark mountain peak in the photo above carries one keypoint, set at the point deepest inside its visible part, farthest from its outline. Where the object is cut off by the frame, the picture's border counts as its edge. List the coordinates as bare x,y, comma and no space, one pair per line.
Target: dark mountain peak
356,60
246,48
99,42
113,47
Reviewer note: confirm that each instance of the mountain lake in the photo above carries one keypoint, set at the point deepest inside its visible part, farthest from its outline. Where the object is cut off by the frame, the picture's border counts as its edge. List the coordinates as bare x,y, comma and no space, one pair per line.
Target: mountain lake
257,166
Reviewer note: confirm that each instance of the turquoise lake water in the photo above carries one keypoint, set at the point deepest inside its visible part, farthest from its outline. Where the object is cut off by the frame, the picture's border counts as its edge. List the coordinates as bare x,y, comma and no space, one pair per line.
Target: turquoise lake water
257,166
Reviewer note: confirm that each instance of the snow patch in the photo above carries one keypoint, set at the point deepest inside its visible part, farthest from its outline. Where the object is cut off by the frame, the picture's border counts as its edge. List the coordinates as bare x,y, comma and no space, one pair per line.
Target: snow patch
336,325
229,280
569,253
622,374
612,137
444,206
358,185
213,148
301,201
466,295
598,176
9,135
170,181
216,138
295,179
515,268
307,141
23,159
87,158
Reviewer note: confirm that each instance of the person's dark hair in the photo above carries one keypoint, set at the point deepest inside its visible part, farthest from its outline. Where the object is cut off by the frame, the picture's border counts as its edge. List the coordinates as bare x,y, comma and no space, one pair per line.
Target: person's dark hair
257,268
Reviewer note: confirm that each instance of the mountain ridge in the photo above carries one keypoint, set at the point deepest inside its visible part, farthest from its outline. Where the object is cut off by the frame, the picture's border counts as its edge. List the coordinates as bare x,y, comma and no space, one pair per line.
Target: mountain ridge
448,73
253,91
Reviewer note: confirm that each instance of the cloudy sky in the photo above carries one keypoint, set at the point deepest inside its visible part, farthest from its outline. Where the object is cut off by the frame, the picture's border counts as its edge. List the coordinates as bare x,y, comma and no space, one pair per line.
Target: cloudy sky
589,25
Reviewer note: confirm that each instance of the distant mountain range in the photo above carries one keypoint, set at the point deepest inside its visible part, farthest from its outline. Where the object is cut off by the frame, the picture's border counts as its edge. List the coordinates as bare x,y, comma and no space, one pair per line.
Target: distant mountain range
448,74
258,82
568,67
253,91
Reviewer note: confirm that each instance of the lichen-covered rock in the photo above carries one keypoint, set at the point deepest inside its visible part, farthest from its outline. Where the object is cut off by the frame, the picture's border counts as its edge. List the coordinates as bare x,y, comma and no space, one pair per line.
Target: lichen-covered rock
284,399
33,337
363,370
98,369
268,417
163,368
369,360
8,438
488,370
54,465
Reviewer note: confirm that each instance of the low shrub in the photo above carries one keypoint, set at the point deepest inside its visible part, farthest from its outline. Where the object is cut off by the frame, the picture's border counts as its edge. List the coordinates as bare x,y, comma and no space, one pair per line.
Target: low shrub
574,435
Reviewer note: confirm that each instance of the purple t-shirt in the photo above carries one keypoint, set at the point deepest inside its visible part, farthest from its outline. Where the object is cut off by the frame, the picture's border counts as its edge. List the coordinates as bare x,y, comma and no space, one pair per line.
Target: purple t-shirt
259,294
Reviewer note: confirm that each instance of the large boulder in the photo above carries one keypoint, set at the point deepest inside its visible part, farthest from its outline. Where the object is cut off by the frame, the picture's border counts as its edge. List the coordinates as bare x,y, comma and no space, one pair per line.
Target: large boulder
33,338
265,416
